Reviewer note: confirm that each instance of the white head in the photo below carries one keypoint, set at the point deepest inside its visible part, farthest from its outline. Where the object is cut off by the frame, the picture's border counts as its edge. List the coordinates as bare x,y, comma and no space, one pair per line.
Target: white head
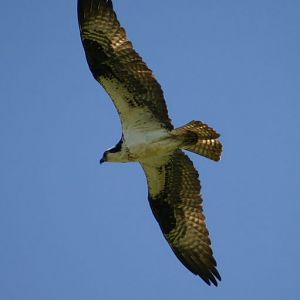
115,154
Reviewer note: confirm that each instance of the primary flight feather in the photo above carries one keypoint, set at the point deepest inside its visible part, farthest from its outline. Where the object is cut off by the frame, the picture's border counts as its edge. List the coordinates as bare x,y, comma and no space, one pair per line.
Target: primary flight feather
149,137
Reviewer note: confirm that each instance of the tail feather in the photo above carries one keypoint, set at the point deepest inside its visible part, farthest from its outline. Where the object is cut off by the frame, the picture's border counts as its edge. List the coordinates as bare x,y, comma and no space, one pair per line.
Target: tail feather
209,148
200,139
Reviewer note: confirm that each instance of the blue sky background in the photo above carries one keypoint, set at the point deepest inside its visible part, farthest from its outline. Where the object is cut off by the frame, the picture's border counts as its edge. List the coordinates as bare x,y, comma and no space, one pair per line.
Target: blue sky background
70,229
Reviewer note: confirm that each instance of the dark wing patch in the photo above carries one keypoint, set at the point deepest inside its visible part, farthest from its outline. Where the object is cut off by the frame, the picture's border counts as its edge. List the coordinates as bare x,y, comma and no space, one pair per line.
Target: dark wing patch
175,199
163,212
118,67
96,60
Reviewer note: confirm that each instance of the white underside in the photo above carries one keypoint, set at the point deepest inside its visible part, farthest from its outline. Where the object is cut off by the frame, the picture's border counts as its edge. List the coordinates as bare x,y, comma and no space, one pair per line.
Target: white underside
146,145
144,136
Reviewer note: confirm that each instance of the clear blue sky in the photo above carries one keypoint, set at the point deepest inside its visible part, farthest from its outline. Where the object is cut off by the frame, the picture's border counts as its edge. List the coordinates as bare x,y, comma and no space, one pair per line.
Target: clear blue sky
72,229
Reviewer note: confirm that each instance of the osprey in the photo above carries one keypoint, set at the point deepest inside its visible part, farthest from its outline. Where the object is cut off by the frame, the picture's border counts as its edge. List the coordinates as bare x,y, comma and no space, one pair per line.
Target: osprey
150,139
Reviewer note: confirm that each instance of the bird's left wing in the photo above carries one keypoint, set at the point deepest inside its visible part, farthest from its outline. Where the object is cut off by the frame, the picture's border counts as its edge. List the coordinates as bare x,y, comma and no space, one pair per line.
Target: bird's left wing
114,63
175,200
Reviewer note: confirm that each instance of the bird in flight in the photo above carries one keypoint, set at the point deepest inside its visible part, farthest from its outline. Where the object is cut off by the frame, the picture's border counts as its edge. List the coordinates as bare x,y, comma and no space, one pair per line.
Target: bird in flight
149,138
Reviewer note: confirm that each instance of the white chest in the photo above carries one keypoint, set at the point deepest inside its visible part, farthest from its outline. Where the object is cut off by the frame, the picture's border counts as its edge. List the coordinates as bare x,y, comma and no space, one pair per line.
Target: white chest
143,145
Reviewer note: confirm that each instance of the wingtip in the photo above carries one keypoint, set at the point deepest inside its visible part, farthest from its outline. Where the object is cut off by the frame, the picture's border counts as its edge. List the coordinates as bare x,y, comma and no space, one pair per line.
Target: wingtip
211,277
210,280
88,6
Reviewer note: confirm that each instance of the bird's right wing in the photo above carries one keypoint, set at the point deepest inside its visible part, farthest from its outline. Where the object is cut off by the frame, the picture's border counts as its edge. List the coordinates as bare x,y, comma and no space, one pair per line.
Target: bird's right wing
175,200
114,63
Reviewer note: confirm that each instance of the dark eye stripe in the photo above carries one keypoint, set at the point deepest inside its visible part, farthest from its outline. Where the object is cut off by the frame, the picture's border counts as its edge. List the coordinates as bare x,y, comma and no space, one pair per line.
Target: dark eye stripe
117,148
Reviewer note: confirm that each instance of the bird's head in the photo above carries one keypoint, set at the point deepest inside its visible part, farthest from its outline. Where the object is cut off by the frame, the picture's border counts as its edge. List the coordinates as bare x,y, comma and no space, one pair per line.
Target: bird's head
114,154
104,158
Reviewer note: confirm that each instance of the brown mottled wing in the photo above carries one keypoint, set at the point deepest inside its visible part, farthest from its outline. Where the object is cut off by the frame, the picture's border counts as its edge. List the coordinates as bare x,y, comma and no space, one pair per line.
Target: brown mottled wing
113,62
175,199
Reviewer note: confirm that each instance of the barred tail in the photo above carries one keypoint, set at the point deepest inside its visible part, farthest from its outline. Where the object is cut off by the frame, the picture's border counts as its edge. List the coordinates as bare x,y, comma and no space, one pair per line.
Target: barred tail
200,139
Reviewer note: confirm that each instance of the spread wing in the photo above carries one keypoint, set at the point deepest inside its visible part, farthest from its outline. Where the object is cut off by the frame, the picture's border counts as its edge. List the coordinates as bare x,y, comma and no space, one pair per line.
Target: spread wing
114,63
175,200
